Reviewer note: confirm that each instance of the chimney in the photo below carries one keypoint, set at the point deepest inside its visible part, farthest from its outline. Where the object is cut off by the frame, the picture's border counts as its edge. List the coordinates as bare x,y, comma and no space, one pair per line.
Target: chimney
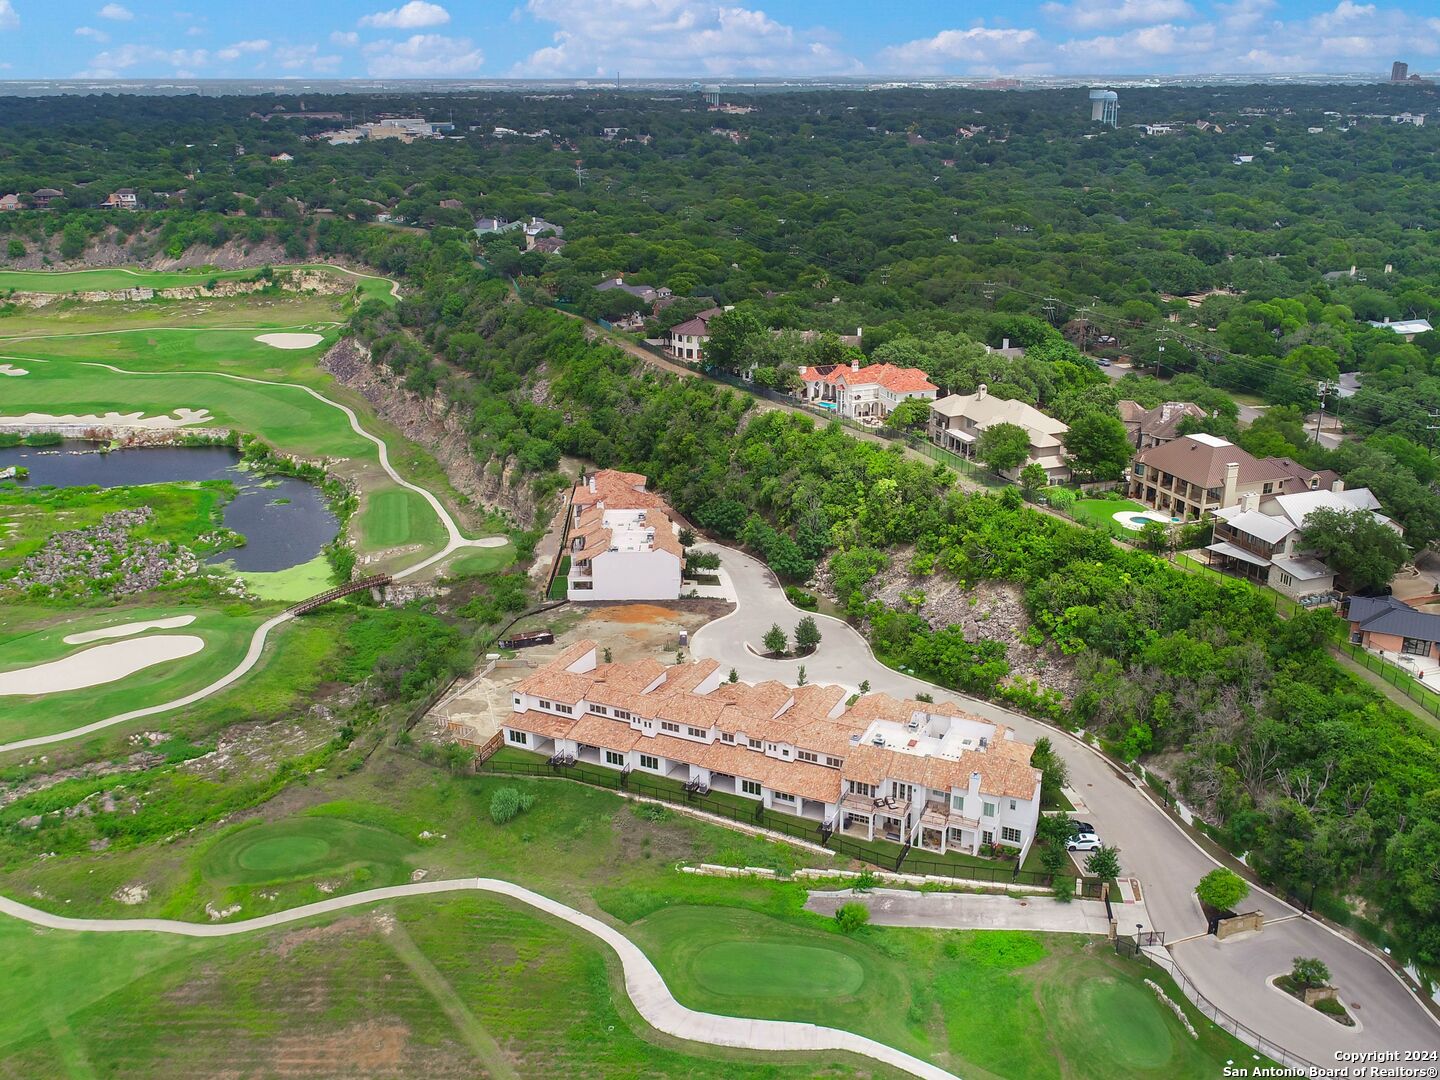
854,365
859,331
1004,343
981,391
1249,501
1232,479
1338,485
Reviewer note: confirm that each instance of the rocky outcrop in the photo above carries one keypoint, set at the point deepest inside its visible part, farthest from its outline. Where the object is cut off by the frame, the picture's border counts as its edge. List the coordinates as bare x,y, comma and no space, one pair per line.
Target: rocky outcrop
439,425
295,281
114,249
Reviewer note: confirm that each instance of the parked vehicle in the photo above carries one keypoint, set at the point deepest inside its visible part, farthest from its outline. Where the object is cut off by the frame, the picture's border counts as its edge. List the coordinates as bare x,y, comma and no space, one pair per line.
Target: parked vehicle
1087,842
1080,828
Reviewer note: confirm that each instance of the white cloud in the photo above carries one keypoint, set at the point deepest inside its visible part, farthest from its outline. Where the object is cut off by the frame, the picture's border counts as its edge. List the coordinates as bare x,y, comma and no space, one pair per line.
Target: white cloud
410,16
116,12
979,45
240,48
1136,50
9,17
179,62
91,33
195,31
423,54
652,37
1101,14
345,38
296,57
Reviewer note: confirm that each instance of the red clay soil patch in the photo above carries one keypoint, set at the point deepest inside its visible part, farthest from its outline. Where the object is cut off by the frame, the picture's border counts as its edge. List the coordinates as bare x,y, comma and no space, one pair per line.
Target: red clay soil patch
632,613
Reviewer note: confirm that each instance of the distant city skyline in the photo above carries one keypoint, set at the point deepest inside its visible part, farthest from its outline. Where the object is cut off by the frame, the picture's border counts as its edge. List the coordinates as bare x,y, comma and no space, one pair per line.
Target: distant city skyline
595,39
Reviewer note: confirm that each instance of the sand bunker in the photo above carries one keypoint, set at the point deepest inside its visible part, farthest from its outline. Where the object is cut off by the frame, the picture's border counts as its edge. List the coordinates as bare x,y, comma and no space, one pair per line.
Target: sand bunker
290,341
181,418
488,541
102,664
11,370
127,629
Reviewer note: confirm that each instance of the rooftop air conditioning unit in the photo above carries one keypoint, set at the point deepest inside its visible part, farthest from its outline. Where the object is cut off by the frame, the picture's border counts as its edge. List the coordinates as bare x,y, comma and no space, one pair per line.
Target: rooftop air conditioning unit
984,742
913,725
879,740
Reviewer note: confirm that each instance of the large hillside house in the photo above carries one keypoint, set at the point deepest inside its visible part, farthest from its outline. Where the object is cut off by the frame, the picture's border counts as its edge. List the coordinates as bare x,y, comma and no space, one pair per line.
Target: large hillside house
858,392
1196,475
686,340
930,775
957,421
623,544
1259,538
1151,427
1393,628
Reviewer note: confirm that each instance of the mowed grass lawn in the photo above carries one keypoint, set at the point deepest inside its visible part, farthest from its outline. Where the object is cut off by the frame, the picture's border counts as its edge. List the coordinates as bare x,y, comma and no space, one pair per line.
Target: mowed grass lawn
226,634
980,1003
1102,512
396,516
270,853
443,986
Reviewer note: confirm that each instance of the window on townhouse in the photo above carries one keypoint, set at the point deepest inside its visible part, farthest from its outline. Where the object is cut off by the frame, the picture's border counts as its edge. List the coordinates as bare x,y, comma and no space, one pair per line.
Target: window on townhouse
750,787
1010,835
517,699
599,710
1012,804
957,803
646,724
780,796
698,733
987,837
754,744
667,725
582,584
833,762
726,737
806,755
565,710
650,761
857,788
544,704
988,809
613,757
621,714
520,738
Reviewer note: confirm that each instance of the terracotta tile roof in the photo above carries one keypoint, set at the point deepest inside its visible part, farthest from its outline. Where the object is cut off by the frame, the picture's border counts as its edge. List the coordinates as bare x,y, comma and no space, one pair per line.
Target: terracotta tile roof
542,723
897,379
616,490
601,731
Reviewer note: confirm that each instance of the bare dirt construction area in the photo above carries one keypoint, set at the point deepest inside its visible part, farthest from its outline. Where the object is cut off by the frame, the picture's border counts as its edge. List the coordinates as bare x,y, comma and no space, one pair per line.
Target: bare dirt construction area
626,631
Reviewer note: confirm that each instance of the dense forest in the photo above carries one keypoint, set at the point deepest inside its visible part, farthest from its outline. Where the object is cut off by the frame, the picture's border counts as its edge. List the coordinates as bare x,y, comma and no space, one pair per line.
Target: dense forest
939,222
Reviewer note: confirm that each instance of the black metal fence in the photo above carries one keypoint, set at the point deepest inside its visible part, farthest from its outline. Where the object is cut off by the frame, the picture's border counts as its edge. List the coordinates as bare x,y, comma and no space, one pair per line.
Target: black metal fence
1147,949
1396,676
759,816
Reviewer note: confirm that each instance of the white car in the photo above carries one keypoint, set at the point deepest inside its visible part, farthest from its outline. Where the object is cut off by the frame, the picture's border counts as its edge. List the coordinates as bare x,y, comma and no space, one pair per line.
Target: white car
1084,842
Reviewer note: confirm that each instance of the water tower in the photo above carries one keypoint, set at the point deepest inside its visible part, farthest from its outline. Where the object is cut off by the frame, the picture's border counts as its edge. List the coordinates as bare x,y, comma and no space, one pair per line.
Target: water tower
712,96
1105,107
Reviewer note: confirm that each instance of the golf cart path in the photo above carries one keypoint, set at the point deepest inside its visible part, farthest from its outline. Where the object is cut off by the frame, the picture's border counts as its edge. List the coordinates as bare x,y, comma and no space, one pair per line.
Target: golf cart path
455,542
1154,847
649,994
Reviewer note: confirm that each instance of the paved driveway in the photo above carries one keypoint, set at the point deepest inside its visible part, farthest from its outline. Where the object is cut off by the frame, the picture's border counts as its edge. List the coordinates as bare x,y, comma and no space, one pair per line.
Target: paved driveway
1152,847
968,911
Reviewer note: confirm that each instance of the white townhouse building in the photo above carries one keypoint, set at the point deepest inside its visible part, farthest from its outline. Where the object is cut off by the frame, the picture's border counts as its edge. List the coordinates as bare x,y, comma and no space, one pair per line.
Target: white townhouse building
623,543
925,774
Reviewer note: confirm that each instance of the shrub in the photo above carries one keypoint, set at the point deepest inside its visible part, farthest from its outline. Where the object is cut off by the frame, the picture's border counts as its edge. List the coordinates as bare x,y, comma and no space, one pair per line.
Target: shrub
1064,887
1306,972
851,918
865,881
1222,889
774,640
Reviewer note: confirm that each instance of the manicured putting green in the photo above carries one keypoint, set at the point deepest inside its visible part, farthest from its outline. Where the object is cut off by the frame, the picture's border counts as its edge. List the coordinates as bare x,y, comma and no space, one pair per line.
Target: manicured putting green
742,968
300,847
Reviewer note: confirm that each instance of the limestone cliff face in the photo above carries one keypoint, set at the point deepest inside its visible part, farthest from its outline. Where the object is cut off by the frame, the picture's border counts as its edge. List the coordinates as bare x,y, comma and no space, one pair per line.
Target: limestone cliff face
439,425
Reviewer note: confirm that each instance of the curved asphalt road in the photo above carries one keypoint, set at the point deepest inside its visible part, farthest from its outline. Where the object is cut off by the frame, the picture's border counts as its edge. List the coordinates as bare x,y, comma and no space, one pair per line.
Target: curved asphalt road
643,982
1153,848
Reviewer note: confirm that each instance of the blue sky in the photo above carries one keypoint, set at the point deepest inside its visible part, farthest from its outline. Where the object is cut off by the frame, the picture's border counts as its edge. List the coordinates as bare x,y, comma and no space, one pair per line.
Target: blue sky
588,38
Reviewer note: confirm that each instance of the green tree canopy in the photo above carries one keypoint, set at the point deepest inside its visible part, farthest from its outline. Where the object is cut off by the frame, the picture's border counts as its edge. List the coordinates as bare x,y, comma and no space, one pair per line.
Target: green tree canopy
1363,552
1003,447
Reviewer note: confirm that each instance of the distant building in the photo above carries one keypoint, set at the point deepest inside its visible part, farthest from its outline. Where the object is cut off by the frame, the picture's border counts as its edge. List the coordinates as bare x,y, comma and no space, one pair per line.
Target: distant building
282,158
648,293
486,225
1406,328
42,198
9,202
1195,475
536,226
687,340
451,204
549,245
1399,71
1413,119
124,199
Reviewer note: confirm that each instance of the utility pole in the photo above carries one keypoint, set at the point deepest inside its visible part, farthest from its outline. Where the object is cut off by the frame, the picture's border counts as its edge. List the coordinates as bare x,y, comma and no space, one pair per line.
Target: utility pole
1433,427
579,172
1051,307
1322,389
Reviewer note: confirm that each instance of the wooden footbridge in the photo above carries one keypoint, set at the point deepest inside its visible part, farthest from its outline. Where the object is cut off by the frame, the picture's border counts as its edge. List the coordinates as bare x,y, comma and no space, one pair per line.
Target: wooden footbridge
304,607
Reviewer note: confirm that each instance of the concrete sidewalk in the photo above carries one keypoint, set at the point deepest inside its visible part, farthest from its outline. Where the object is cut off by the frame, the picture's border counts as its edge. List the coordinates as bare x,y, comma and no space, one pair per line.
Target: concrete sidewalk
972,911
